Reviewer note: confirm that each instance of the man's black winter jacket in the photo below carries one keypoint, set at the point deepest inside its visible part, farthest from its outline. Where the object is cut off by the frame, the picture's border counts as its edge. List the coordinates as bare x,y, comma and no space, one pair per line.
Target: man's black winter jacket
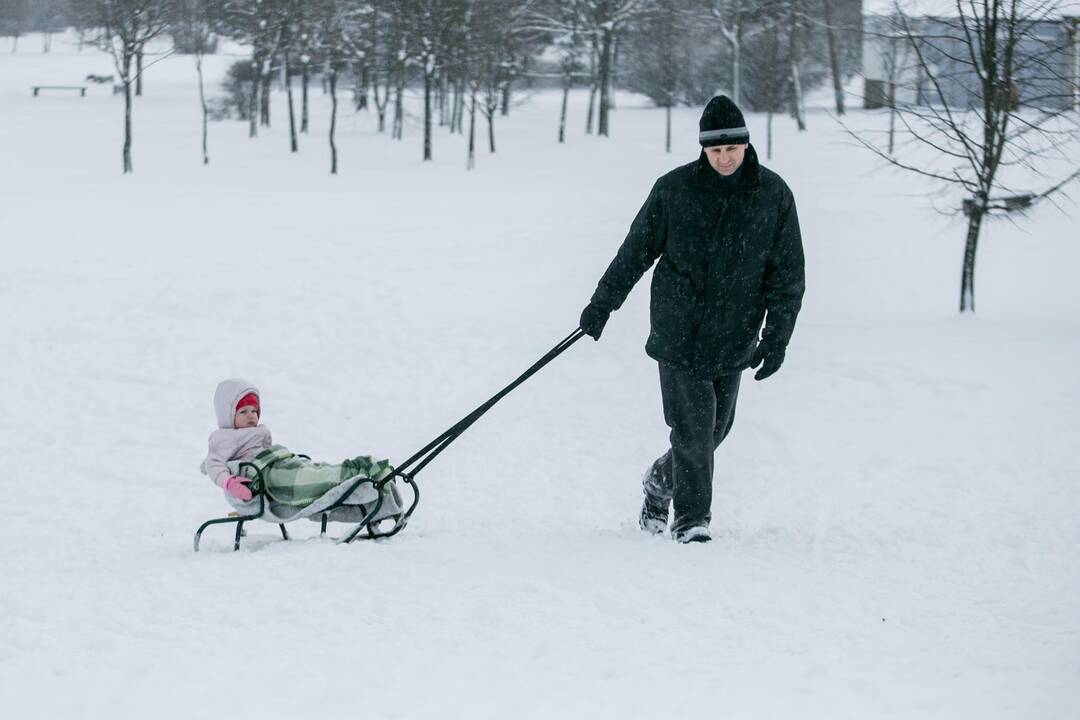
727,256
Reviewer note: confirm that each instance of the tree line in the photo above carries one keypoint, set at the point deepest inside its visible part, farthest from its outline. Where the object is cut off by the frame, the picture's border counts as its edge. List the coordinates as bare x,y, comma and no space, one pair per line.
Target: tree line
468,57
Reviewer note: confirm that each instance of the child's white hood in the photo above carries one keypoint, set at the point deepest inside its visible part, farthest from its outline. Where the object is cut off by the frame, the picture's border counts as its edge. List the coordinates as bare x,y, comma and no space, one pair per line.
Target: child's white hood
226,396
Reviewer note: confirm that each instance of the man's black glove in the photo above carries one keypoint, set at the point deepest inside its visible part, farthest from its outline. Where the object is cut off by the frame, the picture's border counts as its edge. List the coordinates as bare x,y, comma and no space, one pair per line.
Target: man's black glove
770,358
593,320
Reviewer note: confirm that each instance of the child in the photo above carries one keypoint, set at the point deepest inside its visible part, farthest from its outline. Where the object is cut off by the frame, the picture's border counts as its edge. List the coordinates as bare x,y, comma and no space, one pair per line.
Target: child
239,436
294,485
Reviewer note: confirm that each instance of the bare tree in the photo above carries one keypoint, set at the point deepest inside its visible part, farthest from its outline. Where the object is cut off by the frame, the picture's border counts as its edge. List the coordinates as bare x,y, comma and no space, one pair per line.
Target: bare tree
498,34
568,39
387,43
589,28
599,23
398,73
257,23
739,21
332,19
470,163
124,27
295,39
14,20
795,18
490,97
359,48
834,53
657,56
593,86
305,48
889,51
772,86
560,21
998,116
431,29
606,20
194,25
470,59
48,17
520,41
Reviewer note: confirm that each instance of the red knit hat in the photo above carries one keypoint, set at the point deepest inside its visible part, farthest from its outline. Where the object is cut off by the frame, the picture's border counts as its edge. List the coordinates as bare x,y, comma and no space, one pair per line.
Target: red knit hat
249,400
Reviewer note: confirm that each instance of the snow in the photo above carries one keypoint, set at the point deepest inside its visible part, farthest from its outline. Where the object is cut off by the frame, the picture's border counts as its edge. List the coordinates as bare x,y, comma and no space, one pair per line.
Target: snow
895,514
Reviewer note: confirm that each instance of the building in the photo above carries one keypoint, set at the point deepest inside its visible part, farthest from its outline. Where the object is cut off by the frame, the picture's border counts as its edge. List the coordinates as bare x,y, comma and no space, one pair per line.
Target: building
1047,68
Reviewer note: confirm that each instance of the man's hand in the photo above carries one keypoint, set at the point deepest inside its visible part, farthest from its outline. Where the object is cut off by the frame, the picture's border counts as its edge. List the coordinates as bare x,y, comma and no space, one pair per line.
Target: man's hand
769,358
593,320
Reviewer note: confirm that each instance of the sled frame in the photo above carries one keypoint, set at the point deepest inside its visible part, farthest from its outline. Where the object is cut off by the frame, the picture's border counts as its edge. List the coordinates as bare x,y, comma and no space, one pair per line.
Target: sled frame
357,532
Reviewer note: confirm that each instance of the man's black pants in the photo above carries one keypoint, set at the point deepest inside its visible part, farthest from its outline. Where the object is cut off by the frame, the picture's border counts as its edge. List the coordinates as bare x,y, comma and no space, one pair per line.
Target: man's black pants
700,413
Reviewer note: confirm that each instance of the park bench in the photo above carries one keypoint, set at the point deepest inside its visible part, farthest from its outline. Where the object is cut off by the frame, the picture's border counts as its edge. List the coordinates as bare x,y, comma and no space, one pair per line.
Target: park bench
80,88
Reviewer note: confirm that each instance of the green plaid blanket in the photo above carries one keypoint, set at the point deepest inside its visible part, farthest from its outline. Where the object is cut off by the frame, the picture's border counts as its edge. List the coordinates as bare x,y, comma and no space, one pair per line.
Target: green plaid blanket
294,480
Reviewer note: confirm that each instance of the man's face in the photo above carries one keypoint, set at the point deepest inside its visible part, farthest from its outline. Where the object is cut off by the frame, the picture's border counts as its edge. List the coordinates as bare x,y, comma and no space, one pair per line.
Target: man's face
725,159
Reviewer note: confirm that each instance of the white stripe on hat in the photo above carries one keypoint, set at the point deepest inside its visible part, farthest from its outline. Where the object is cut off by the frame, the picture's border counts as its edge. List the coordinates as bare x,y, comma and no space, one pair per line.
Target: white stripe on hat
705,135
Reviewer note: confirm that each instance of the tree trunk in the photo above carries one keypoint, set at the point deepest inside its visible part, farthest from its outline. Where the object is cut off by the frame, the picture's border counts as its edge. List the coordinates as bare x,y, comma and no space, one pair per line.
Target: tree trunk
605,83
967,276
736,68
461,108
264,101
562,112
46,42
138,71
305,81
612,71
455,108
796,79
472,131
592,90
333,120
768,135
427,113
293,147
797,98
381,101
205,111
504,107
14,43
253,105
891,99
491,130
399,110
365,80
920,80
834,57
444,94
127,112
667,141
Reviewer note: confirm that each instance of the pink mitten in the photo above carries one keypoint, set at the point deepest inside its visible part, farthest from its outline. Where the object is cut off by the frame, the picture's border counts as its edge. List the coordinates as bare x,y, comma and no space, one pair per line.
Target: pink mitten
237,487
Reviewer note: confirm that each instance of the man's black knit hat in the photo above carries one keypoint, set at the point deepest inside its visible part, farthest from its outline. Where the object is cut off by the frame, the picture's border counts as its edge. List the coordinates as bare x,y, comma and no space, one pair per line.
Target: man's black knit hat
722,123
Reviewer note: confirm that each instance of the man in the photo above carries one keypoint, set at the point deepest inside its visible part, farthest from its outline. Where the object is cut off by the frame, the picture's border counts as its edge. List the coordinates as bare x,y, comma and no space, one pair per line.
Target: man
730,256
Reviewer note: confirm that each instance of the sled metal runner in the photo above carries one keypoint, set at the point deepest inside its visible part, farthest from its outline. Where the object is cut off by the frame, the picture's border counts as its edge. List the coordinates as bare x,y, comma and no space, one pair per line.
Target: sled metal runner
407,471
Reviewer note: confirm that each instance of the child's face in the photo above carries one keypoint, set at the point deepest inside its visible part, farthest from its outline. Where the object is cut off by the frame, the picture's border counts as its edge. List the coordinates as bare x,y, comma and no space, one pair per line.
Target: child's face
246,417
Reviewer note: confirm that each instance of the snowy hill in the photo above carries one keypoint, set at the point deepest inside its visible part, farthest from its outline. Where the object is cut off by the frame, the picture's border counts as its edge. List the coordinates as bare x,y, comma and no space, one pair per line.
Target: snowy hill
896,512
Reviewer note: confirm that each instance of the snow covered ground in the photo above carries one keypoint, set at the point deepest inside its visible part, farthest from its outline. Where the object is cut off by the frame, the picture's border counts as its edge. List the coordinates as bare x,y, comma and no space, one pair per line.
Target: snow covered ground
897,512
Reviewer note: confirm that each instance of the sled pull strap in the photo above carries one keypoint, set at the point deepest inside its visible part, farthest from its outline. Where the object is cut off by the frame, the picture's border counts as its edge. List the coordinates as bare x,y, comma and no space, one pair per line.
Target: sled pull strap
436,446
